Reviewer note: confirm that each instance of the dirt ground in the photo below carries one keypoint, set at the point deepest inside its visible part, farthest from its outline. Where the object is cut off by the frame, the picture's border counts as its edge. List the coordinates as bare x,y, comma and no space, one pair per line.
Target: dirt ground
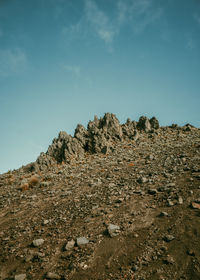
149,189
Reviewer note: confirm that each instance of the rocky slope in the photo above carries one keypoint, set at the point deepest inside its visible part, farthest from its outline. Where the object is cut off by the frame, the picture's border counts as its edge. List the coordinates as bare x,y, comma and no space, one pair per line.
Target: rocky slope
112,202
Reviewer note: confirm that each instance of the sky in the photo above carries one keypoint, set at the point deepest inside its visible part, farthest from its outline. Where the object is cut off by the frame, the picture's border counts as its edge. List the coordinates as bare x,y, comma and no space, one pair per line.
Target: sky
64,61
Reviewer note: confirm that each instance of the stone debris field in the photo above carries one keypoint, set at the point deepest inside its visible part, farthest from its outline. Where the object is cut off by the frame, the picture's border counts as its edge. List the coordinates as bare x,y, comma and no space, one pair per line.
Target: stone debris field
114,201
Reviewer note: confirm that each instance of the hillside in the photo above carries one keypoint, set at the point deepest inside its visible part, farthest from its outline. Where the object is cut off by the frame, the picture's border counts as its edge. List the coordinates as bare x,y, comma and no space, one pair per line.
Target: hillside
111,202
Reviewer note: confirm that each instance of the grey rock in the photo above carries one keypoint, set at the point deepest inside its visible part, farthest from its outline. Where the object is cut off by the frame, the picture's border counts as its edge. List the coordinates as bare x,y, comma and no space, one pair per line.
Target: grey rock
20,277
113,230
38,242
70,245
170,203
45,222
164,214
142,180
180,200
82,241
52,275
169,238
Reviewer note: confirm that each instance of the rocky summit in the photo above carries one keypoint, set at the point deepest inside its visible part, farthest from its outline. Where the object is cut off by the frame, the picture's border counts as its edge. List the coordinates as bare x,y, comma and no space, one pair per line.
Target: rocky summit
114,201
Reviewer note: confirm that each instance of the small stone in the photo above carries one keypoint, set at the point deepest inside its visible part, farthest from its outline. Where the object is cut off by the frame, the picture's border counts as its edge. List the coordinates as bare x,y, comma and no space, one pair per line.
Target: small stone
152,191
190,253
83,265
38,242
171,185
20,277
180,200
163,214
69,245
169,238
45,222
195,205
82,241
168,260
29,257
135,268
113,230
142,180
170,203
52,275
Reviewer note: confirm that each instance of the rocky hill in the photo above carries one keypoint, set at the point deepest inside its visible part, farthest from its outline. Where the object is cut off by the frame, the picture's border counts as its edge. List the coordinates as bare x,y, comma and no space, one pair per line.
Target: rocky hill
115,201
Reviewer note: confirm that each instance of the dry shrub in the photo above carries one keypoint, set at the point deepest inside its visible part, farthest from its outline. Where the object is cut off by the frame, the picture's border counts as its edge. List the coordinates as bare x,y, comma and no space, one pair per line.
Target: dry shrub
24,187
34,180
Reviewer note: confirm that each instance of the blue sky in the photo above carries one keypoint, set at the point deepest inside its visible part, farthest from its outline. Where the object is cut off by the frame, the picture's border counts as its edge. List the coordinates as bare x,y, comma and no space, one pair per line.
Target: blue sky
63,61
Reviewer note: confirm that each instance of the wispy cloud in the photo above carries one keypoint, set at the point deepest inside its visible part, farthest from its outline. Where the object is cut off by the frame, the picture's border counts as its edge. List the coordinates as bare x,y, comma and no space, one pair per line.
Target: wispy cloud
73,69
100,22
12,61
197,18
73,28
138,13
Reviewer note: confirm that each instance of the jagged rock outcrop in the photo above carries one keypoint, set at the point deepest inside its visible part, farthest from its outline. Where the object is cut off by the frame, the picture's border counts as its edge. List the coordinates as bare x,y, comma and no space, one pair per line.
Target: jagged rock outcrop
144,124
102,132
154,123
81,134
129,129
64,147
44,160
99,137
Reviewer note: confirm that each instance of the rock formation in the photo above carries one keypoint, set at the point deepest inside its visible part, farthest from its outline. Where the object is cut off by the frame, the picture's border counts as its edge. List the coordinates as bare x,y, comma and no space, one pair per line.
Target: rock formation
99,137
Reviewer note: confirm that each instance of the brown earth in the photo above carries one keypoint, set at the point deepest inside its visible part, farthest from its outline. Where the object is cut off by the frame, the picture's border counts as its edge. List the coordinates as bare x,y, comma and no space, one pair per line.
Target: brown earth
149,187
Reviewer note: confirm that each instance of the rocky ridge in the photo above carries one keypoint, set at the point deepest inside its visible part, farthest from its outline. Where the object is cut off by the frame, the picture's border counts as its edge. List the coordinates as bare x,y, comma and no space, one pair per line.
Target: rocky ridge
100,136
113,202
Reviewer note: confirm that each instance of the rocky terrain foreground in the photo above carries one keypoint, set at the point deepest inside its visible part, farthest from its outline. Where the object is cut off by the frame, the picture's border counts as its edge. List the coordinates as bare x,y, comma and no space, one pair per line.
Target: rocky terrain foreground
112,202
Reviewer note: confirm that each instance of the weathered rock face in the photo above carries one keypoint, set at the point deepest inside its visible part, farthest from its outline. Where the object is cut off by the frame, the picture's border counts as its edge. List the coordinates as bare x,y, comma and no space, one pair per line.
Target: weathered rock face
64,147
99,137
81,134
44,160
102,132
144,124
129,129
154,123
